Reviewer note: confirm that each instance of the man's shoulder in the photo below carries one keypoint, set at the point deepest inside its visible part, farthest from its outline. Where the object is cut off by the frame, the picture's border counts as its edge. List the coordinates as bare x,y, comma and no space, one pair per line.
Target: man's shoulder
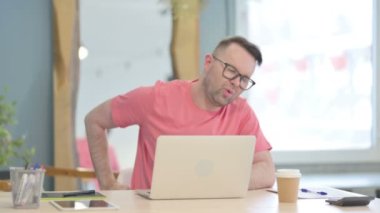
239,102
172,83
172,86
241,107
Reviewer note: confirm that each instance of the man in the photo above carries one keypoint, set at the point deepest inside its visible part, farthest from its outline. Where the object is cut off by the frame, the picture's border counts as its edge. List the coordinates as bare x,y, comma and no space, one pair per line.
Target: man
208,106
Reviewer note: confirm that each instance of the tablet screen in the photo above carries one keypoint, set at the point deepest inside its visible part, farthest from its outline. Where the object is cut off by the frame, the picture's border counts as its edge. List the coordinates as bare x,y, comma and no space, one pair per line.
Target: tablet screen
83,205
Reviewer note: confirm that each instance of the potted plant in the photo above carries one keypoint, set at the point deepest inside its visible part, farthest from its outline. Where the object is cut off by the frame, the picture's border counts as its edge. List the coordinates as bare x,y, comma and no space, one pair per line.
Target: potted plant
10,148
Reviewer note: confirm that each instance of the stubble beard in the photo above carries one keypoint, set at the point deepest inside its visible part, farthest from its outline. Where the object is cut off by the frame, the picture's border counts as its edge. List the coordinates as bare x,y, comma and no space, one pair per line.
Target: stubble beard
219,99
215,96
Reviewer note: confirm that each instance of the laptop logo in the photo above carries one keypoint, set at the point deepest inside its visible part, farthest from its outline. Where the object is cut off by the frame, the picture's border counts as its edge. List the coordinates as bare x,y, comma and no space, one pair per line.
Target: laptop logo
204,168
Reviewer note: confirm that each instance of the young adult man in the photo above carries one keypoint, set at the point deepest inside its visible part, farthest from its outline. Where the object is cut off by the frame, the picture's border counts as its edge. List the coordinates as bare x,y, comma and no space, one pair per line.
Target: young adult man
210,105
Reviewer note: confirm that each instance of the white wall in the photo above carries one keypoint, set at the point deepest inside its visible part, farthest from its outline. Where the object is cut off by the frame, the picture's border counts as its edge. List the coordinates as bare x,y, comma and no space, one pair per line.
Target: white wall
128,43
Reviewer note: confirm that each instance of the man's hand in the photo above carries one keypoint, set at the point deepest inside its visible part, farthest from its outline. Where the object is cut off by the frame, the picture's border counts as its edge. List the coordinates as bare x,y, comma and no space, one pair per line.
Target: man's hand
97,122
116,186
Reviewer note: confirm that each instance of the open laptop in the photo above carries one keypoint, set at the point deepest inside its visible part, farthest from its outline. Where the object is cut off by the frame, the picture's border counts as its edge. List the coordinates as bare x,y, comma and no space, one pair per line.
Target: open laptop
194,167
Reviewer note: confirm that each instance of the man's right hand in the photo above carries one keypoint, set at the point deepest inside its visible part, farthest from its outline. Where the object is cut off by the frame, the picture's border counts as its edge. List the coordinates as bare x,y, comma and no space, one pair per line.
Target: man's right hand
116,186
97,122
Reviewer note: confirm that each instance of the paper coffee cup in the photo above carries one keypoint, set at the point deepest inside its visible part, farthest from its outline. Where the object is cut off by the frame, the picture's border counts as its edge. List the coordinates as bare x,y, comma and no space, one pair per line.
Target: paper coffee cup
288,184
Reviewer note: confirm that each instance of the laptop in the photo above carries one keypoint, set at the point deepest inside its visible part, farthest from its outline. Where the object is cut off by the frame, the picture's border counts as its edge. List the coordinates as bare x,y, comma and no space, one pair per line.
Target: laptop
197,167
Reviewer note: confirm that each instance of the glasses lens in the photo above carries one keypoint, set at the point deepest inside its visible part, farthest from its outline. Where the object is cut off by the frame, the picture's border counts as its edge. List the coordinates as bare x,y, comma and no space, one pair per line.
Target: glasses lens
229,72
246,83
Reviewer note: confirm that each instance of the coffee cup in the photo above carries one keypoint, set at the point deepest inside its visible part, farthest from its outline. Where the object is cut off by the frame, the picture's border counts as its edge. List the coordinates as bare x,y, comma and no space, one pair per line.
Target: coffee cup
288,185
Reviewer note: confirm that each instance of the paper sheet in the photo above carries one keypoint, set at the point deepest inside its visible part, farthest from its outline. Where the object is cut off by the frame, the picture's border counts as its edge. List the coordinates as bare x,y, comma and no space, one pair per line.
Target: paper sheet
314,193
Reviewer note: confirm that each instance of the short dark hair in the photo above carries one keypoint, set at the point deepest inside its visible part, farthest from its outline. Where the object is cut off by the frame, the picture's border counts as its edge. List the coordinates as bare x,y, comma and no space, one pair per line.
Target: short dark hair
253,49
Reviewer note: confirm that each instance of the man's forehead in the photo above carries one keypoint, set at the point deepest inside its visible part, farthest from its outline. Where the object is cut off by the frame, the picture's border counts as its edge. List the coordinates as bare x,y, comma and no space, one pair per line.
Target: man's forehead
240,58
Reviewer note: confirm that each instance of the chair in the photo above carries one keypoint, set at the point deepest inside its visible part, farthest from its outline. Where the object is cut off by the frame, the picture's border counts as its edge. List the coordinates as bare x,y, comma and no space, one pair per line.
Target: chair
70,172
82,173
5,185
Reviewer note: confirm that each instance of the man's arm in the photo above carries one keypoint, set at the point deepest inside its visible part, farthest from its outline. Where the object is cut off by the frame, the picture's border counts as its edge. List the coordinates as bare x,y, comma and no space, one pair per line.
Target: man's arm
97,122
263,170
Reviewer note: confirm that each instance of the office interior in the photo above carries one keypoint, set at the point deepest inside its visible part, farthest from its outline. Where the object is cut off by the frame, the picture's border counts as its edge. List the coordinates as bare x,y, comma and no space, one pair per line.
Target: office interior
141,32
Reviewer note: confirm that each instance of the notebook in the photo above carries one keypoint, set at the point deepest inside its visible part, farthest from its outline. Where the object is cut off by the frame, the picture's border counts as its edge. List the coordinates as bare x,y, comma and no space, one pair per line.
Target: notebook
196,167
72,195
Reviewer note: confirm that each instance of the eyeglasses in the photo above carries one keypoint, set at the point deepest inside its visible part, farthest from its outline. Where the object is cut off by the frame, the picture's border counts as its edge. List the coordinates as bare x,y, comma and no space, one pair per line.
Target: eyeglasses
230,73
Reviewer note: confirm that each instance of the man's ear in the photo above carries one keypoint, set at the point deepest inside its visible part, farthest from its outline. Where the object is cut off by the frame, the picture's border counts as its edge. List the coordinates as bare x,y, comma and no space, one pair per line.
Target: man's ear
207,63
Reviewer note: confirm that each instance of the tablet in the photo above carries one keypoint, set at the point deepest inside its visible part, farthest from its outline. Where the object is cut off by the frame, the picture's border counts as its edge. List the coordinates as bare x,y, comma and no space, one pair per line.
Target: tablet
76,205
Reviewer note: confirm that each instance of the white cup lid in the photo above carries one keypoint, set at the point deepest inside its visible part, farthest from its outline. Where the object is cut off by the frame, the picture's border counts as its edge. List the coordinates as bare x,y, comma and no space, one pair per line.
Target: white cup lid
288,173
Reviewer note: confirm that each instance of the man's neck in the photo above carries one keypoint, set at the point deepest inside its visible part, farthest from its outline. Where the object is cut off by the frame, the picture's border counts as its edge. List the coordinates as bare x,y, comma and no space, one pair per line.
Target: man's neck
199,97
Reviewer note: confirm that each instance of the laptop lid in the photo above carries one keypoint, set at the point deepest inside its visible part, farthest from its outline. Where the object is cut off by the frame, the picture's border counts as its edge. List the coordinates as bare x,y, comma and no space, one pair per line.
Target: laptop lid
202,166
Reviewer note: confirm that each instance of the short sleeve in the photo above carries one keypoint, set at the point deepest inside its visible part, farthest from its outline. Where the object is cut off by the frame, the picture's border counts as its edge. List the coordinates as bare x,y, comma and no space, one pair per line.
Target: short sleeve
130,108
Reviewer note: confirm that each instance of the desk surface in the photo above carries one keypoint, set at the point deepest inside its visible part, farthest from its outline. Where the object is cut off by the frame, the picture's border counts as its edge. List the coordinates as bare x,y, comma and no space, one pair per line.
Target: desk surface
256,201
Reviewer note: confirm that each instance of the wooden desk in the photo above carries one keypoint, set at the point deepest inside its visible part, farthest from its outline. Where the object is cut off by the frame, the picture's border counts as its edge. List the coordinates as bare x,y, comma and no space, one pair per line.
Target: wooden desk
259,201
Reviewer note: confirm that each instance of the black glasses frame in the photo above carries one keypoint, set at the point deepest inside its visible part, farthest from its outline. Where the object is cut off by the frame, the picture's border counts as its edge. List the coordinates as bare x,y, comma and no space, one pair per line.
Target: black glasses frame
241,77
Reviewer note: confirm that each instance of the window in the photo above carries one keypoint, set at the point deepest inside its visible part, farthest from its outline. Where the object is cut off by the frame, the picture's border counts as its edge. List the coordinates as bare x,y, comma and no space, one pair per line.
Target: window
315,91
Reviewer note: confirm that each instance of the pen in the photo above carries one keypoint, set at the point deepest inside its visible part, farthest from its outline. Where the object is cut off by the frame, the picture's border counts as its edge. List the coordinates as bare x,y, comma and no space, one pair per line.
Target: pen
28,190
79,193
310,191
21,188
36,166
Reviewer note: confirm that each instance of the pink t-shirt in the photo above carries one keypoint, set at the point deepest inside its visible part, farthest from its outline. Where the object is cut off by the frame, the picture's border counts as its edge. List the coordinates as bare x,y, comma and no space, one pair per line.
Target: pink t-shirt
168,109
